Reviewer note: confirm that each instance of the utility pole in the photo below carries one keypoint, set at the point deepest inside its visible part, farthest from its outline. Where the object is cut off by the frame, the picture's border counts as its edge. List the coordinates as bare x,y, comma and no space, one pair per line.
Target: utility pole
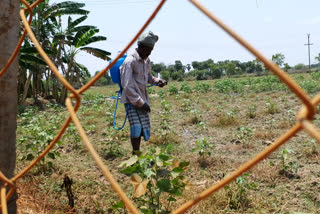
309,50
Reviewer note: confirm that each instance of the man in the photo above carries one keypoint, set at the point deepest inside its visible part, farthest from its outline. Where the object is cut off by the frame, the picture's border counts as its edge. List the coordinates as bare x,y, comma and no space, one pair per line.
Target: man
135,74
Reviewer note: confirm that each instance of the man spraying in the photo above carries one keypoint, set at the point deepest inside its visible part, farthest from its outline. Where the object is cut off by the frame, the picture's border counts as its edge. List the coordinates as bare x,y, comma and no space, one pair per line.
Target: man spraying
135,74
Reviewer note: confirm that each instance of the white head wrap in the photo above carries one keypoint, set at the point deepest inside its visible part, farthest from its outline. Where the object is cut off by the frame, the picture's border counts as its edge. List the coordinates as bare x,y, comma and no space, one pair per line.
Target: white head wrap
148,39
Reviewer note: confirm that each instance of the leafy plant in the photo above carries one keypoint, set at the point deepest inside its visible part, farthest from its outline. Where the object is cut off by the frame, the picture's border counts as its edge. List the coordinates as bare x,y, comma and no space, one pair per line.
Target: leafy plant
156,177
111,150
173,90
227,118
272,107
288,167
237,192
252,111
244,133
185,87
162,93
38,131
186,105
202,87
196,116
151,90
203,147
165,134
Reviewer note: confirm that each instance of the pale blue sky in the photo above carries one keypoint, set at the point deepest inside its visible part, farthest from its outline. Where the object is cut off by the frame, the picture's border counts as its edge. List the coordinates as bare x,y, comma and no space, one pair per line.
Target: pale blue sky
272,26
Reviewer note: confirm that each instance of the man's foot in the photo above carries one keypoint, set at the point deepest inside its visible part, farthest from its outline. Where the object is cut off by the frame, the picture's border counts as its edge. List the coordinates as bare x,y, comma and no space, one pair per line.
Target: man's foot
137,152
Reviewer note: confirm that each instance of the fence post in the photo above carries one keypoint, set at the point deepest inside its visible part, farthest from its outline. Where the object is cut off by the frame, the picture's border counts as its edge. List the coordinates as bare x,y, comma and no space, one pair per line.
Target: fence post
9,35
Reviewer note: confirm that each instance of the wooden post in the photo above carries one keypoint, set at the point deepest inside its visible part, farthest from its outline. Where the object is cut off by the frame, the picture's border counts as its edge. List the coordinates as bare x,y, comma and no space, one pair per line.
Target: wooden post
9,33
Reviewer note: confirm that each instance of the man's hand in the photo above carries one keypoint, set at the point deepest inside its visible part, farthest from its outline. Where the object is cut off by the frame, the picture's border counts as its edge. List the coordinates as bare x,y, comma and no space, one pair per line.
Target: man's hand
145,108
162,83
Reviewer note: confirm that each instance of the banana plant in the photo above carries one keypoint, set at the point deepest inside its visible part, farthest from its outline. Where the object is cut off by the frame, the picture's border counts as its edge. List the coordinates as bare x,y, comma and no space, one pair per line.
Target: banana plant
47,25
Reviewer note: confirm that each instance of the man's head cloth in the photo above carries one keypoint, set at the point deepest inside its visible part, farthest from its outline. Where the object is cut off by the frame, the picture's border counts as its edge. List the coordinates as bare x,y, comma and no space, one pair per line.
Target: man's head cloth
148,39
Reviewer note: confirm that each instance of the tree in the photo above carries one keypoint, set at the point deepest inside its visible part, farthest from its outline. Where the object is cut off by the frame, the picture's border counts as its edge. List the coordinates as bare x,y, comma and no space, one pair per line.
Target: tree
318,58
178,65
65,43
300,66
188,67
9,13
215,71
278,59
286,67
230,68
158,67
34,76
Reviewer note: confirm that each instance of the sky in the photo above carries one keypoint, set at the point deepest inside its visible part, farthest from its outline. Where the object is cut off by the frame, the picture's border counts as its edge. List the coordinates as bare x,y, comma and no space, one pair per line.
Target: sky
185,34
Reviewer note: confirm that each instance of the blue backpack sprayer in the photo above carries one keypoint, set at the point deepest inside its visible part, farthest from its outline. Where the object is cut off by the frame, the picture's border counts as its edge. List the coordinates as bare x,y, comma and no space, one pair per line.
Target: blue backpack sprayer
115,77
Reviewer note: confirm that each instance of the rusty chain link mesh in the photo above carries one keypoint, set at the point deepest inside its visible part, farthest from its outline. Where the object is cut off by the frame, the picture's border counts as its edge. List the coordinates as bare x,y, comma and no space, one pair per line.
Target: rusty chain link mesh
304,116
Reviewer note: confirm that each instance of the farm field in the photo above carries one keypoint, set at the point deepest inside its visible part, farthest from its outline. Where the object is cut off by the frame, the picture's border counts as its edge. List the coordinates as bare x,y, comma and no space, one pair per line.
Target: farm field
211,127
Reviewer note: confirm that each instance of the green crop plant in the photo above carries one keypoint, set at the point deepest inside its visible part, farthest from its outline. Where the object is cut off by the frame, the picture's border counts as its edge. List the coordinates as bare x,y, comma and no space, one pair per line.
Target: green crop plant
288,167
38,130
162,93
164,133
186,88
151,90
311,148
244,134
227,118
237,192
157,180
315,75
310,85
203,148
202,87
228,85
271,107
196,116
186,105
252,111
173,90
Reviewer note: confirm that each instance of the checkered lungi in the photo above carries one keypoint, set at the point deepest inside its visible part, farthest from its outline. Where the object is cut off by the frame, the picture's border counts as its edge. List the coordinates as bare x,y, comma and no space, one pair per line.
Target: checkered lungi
139,122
